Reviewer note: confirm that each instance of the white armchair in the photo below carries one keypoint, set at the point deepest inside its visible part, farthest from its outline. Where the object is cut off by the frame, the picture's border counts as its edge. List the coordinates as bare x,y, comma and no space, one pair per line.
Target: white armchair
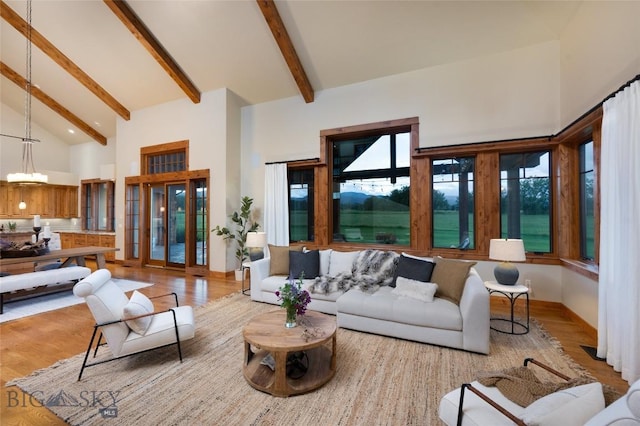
130,326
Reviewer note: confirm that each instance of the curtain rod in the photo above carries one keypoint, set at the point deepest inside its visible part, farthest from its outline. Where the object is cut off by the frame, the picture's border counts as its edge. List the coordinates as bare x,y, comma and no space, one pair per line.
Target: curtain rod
624,86
598,105
292,161
423,148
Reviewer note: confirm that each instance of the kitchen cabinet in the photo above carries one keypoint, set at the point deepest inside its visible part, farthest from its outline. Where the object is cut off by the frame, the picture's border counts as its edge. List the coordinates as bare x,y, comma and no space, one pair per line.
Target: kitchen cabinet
83,239
49,201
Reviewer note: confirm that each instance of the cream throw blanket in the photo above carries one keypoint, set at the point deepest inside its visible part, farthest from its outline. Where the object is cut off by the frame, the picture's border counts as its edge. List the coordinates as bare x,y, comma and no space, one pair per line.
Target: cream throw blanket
521,386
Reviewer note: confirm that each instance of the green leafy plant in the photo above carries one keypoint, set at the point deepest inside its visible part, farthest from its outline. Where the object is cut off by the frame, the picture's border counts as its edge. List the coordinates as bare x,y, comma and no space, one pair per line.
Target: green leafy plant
12,226
243,224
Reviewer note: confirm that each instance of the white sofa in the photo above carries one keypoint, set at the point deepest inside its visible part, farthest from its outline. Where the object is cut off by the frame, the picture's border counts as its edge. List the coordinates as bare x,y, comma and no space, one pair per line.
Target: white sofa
441,322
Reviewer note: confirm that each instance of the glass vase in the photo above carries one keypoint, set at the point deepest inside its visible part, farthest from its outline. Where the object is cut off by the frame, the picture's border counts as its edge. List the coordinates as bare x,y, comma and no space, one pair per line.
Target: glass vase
290,322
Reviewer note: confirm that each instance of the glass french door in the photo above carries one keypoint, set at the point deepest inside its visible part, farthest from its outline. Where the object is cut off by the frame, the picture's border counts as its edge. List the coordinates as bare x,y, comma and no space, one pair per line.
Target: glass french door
167,224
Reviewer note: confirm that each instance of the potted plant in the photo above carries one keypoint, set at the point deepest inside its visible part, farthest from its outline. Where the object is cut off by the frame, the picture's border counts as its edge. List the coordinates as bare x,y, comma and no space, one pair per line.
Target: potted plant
243,225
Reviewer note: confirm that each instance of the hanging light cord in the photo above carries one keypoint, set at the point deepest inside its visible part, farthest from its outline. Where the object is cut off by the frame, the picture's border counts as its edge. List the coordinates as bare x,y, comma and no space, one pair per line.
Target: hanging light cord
27,147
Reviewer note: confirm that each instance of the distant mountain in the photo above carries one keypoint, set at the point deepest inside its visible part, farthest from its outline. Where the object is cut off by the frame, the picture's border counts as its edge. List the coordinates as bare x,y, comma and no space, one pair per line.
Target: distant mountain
353,197
451,199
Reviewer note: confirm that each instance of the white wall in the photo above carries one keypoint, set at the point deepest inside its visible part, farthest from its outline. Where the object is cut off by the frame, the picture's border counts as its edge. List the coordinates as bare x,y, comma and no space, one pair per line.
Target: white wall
50,156
580,294
599,51
87,158
508,95
546,280
205,125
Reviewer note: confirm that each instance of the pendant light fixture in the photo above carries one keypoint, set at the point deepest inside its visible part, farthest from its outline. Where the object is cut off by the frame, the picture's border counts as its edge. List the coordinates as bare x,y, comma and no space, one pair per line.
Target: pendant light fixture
28,173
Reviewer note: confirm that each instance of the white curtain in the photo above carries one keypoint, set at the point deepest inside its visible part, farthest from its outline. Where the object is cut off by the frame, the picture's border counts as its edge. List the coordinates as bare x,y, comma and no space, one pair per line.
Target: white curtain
276,204
619,285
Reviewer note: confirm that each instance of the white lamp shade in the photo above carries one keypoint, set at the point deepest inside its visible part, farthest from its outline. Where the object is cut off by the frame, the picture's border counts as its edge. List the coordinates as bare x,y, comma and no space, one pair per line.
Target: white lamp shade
256,239
509,250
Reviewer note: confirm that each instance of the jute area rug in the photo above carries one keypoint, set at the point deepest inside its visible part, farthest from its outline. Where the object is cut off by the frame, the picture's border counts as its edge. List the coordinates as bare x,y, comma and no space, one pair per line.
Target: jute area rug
379,380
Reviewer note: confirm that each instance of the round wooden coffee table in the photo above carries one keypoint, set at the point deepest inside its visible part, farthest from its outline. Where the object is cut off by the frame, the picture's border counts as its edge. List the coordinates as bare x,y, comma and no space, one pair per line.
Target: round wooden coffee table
266,334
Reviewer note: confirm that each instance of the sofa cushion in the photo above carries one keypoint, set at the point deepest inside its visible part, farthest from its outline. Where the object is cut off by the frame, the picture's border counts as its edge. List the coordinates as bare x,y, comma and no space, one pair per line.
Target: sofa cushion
273,283
139,304
341,262
572,406
450,275
419,290
279,263
633,399
385,305
307,263
413,268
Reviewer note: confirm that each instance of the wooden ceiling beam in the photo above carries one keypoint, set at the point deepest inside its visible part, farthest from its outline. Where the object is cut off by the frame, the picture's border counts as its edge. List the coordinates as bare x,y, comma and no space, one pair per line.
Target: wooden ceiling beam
153,46
61,59
9,73
271,15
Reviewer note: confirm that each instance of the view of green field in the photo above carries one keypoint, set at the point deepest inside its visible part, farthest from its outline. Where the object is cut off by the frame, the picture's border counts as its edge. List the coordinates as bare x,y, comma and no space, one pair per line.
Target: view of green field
364,226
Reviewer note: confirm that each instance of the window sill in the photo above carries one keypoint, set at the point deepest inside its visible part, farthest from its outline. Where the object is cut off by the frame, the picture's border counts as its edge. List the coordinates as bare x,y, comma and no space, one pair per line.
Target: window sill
589,270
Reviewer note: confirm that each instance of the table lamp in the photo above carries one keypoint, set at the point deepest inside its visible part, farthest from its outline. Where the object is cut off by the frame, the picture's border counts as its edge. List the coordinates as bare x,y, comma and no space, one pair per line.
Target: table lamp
255,243
506,250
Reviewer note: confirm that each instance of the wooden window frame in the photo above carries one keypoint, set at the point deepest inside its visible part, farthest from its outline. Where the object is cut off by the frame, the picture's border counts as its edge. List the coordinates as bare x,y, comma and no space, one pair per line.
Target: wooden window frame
588,127
94,204
564,190
487,192
163,149
322,215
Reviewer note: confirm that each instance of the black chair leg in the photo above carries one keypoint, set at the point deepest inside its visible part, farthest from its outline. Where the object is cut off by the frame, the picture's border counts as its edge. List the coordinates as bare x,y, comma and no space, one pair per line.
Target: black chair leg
175,325
86,356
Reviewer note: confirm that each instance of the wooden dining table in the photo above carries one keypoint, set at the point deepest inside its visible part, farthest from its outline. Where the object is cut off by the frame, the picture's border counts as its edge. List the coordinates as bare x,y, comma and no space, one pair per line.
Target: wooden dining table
68,257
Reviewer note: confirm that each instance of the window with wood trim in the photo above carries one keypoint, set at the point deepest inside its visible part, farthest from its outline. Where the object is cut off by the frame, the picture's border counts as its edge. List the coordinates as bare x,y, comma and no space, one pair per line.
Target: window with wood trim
97,205
301,204
132,222
586,181
198,221
370,183
165,158
452,205
525,201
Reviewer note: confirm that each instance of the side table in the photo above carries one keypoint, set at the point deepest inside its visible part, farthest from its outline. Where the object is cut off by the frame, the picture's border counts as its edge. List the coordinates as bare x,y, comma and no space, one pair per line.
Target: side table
512,292
244,267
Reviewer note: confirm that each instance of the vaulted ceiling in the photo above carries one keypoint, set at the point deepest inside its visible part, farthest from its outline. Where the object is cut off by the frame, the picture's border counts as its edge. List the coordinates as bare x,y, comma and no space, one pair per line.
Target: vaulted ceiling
94,61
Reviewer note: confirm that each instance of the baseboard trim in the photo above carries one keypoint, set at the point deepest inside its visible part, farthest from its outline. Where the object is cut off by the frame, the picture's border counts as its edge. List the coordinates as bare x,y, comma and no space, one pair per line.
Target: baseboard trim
545,305
586,327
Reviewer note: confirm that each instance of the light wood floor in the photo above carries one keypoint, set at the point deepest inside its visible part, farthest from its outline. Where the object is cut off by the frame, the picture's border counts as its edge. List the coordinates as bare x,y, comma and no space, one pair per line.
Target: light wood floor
36,342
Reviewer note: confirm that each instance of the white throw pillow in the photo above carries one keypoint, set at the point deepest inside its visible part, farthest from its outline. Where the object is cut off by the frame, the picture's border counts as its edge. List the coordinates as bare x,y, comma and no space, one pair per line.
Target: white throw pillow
139,304
325,258
418,290
341,261
567,407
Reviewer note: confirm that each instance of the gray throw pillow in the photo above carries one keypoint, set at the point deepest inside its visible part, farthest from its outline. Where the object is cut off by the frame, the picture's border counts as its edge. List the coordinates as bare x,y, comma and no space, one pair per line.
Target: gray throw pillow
304,262
413,269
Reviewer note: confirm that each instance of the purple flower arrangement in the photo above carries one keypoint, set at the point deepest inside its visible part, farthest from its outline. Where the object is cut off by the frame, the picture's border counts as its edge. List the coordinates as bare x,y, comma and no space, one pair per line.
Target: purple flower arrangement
292,295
